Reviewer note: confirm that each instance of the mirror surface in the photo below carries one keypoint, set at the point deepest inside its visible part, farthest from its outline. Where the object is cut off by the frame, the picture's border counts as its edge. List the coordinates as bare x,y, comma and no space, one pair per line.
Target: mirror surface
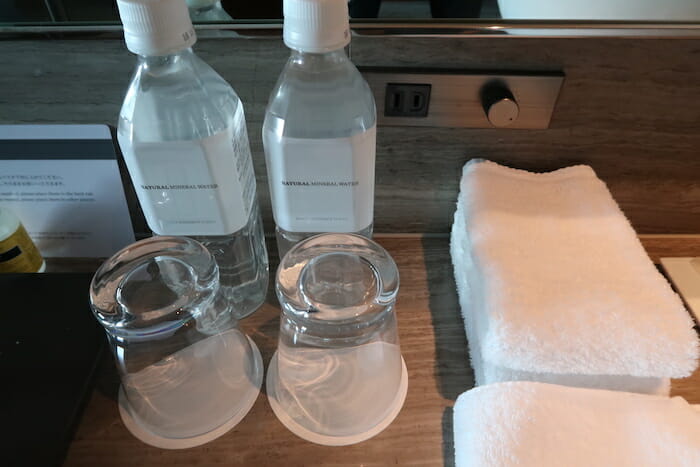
18,12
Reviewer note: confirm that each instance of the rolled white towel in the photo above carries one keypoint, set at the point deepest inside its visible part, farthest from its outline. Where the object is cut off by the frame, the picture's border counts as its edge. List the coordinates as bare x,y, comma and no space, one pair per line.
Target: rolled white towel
540,425
554,285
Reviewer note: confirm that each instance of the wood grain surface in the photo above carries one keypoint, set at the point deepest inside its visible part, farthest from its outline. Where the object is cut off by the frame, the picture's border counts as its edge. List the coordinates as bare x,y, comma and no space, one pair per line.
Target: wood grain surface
433,344
628,107
623,109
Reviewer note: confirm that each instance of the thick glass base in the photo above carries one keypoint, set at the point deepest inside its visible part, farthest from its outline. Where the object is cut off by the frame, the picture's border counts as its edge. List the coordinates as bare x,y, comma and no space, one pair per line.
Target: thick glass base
286,239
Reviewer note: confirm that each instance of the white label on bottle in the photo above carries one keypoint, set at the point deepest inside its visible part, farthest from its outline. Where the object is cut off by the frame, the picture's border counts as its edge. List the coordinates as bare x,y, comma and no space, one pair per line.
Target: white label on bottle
323,185
199,187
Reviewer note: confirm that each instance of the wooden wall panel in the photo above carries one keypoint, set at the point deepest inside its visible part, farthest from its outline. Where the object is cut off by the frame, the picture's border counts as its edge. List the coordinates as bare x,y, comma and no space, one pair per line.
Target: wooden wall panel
628,107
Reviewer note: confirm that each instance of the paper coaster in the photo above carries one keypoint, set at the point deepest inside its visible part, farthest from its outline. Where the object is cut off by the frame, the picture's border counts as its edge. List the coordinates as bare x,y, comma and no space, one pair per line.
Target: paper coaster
148,437
326,440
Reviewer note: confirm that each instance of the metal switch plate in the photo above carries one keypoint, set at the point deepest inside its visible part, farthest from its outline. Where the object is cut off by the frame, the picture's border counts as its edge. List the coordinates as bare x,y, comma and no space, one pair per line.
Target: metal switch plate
457,98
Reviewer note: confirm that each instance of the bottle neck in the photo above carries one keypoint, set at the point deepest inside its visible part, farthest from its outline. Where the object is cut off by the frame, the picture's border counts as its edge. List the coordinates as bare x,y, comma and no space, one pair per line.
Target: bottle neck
163,64
318,60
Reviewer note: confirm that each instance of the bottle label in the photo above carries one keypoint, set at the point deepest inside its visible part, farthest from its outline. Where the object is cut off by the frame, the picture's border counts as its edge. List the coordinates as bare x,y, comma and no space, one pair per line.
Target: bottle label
19,254
322,185
200,187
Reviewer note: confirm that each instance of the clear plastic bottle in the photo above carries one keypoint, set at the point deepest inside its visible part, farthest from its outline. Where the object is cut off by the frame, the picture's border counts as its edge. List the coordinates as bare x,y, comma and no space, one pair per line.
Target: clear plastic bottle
183,136
319,132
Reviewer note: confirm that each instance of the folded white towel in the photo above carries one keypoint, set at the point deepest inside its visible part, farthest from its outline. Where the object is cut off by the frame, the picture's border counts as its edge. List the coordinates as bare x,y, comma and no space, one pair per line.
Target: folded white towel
535,424
555,286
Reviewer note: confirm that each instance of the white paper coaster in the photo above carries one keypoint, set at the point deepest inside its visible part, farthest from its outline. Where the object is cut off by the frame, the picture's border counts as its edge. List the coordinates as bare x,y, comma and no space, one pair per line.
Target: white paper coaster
326,440
148,437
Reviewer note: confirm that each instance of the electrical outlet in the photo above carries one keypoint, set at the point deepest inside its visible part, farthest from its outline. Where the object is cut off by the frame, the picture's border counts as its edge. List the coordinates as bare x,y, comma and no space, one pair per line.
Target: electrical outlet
464,99
406,100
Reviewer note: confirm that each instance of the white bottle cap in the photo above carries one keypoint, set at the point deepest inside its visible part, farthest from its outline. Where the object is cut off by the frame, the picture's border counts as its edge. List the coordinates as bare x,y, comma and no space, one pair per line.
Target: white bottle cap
156,27
316,25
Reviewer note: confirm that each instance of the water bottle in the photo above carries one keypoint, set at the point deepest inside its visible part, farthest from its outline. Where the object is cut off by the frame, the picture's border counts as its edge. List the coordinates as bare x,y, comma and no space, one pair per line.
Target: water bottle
183,136
319,132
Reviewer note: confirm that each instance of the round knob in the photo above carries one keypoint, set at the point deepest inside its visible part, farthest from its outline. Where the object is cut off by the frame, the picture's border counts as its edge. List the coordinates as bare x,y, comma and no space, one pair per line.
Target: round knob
500,106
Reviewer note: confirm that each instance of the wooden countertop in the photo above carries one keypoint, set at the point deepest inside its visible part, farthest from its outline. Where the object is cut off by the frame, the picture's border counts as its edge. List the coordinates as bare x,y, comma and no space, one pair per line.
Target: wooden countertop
434,347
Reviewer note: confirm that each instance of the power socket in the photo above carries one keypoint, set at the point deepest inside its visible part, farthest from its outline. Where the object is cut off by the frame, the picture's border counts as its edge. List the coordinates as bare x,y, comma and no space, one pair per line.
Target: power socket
406,100
462,99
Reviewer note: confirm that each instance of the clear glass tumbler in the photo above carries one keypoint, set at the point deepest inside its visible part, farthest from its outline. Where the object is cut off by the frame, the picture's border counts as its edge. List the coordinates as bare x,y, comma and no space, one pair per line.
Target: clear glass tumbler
338,376
188,374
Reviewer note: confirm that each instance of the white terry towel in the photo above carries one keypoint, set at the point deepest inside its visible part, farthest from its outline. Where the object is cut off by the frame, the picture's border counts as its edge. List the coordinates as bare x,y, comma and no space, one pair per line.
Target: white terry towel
540,425
554,285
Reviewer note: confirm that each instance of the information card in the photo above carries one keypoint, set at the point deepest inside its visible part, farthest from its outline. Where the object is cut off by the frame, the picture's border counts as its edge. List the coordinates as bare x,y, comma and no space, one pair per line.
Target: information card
63,182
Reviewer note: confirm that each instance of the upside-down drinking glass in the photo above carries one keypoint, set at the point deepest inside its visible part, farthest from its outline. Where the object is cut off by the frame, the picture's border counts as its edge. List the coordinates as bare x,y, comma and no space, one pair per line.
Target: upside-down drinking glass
188,375
338,376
